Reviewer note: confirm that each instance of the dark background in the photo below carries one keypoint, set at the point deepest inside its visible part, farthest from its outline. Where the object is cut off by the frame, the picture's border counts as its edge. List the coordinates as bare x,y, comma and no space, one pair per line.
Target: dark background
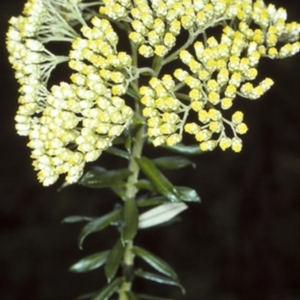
241,242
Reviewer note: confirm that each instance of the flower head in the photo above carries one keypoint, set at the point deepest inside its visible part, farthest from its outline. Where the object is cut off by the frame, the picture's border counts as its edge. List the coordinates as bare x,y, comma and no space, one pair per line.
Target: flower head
215,72
70,123
195,78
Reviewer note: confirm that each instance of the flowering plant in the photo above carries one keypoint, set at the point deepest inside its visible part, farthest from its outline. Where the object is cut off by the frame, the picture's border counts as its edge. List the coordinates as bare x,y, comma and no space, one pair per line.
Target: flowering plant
141,72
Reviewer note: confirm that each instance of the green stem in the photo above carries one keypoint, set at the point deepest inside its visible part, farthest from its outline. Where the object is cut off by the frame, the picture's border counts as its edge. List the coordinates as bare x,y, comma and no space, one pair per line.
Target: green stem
174,55
138,144
131,191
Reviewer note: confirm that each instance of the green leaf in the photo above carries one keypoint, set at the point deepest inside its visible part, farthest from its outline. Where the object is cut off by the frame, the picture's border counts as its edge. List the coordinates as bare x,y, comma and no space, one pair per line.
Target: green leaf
90,262
146,185
118,190
152,201
130,220
159,278
113,260
64,185
183,149
156,262
137,121
75,219
108,290
172,162
101,178
118,140
97,225
128,143
160,214
131,296
188,194
117,152
161,183
149,297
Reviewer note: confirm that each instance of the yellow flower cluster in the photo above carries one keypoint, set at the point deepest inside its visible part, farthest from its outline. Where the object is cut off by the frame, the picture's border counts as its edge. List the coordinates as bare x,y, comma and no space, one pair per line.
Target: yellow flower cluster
72,123
217,72
162,109
156,24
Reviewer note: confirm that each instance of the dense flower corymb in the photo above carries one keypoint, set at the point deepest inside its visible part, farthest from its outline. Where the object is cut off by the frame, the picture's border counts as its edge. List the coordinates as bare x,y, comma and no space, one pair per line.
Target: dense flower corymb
195,78
215,72
70,123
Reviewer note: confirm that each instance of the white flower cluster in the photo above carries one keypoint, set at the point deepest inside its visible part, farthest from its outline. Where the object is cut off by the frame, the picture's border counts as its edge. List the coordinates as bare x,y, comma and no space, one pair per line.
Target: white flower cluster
162,110
70,123
216,72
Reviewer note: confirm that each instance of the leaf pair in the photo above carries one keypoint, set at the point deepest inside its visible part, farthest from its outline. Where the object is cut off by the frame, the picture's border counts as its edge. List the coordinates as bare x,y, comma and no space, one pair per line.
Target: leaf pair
111,258
161,184
170,277
101,178
95,225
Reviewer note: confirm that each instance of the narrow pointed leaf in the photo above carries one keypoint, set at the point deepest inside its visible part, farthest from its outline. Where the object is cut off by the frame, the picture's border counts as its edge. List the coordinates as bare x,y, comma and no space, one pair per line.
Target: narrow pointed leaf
159,279
118,140
146,185
161,183
160,214
130,220
131,296
108,290
117,152
64,185
156,262
119,190
183,149
137,122
90,262
152,201
187,194
113,260
75,219
128,143
172,162
97,225
101,178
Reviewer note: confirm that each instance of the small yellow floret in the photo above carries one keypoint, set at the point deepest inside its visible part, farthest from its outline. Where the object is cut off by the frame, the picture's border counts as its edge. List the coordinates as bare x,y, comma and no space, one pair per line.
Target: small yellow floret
197,105
160,50
146,51
192,128
174,139
214,114
237,117
203,116
225,143
203,135
214,97
226,103
241,128
215,126
208,145
236,145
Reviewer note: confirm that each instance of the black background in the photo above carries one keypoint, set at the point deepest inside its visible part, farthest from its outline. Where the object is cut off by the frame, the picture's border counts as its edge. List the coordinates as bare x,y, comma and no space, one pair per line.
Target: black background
241,242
